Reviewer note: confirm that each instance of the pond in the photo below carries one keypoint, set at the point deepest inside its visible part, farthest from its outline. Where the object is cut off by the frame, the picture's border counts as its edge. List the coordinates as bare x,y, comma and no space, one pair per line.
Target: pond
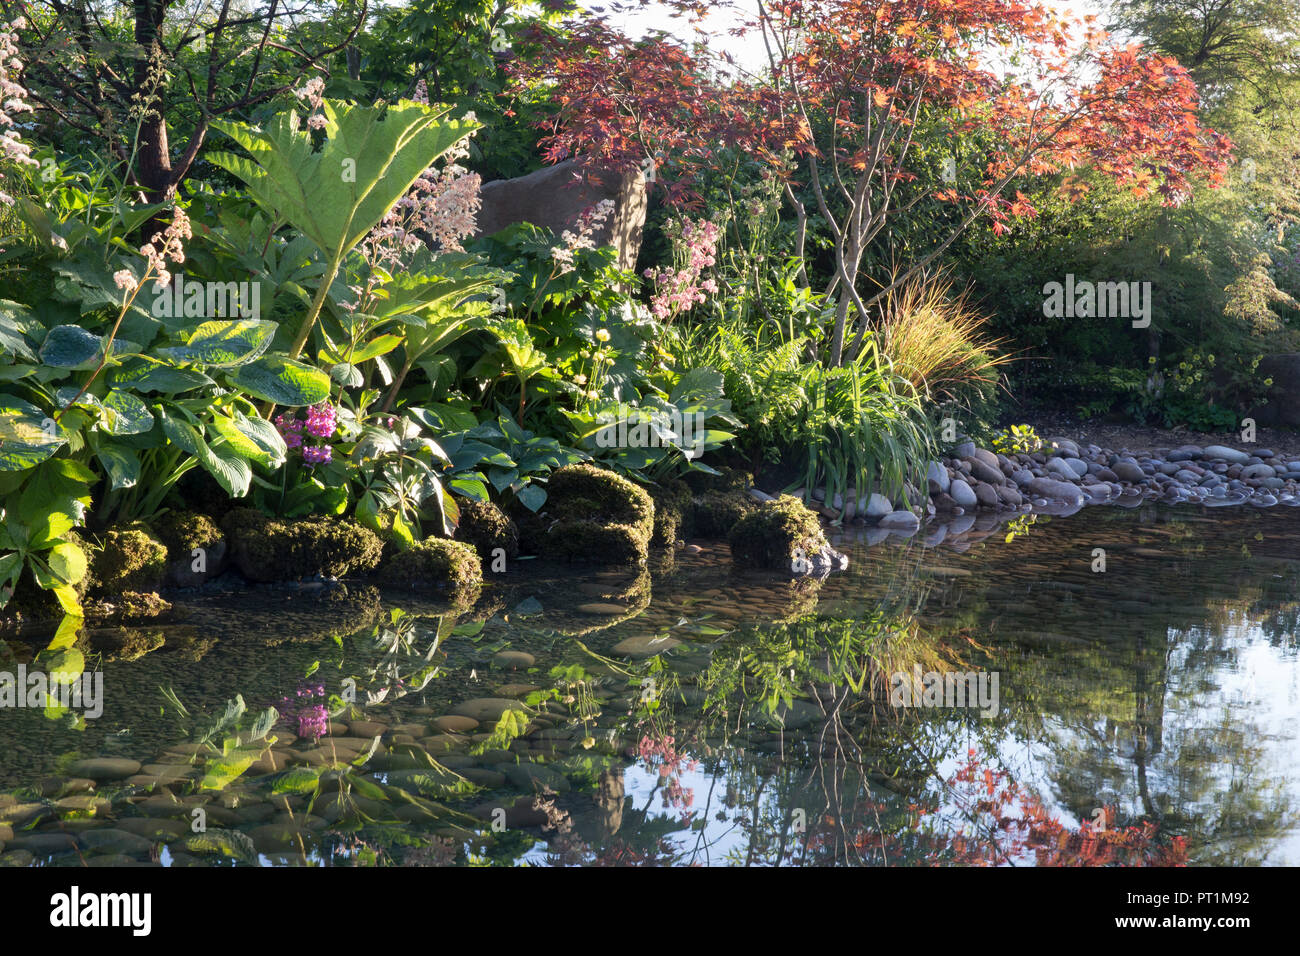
1133,698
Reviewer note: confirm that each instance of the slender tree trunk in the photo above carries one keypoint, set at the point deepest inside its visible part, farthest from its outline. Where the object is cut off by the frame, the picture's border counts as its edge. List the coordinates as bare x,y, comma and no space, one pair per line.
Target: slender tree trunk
153,157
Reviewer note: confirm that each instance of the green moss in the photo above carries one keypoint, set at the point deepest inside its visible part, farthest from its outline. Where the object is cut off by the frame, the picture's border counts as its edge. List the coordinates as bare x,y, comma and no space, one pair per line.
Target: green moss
435,563
596,516
726,479
485,527
130,558
268,549
674,512
185,533
770,536
715,513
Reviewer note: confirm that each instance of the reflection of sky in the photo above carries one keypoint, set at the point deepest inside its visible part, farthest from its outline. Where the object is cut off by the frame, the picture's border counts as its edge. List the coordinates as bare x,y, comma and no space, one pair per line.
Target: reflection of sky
1252,691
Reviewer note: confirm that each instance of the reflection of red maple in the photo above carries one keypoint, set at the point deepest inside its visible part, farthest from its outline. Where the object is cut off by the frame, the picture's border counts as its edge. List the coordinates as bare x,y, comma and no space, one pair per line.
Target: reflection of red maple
1036,831
1008,825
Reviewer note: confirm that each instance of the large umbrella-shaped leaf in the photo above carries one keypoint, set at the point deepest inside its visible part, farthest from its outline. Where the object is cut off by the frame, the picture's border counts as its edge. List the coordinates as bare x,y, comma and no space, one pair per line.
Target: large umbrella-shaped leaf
335,194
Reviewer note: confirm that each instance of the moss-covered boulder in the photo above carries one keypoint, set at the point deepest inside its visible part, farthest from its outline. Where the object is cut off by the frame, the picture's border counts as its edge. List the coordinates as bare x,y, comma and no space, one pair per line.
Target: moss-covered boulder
269,549
435,564
196,548
715,513
130,558
674,512
726,479
595,516
780,534
489,531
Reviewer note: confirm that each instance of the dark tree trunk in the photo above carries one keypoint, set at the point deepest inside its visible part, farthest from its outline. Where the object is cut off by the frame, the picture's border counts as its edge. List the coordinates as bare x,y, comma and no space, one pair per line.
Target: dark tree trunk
153,157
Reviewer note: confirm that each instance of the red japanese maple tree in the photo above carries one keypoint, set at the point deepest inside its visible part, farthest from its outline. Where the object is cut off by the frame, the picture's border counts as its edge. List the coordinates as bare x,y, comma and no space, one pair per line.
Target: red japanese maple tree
850,82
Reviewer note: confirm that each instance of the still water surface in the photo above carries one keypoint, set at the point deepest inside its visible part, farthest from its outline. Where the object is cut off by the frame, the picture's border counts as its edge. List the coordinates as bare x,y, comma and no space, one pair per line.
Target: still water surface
1147,712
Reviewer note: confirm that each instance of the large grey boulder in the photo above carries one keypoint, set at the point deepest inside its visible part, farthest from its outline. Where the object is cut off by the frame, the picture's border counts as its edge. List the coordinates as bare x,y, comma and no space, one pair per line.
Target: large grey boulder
556,196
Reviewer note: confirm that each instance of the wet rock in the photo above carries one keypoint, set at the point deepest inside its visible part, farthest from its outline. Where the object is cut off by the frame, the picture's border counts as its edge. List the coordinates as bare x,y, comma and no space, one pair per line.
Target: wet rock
100,769
531,776
674,511
643,646
937,475
875,506
131,559
455,724
486,708
1227,454
963,493
267,549
196,548
781,535
900,521
1129,471
488,530
514,660
436,564
113,840
1060,490
985,472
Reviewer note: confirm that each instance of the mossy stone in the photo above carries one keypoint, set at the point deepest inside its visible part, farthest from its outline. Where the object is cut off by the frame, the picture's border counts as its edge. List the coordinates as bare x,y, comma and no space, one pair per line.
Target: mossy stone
727,479
185,533
776,533
131,558
435,563
715,513
486,528
269,549
596,516
674,512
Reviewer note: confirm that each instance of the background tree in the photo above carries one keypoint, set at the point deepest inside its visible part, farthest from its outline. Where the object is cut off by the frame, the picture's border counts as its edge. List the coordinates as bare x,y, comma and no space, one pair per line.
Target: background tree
121,78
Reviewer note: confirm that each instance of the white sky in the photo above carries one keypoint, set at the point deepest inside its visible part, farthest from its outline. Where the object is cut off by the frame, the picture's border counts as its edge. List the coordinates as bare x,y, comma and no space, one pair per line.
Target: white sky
749,54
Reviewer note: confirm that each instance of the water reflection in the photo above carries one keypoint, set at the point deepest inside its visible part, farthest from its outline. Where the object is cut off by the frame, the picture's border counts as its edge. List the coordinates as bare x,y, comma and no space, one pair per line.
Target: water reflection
696,716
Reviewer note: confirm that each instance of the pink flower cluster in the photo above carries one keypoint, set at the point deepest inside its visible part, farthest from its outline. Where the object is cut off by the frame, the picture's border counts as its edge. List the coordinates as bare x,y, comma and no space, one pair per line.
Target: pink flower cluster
589,220
12,148
321,422
312,717
679,290
313,94
165,247
443,204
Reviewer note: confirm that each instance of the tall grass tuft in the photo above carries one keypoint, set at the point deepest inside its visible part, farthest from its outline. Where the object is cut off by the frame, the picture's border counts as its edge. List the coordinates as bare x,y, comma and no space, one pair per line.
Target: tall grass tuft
935,338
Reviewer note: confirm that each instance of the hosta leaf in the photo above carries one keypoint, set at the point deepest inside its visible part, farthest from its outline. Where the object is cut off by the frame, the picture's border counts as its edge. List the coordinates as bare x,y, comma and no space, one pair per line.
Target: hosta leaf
68,561
224,344
144,374
120,465
125,414
27,435
283,381
70,346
